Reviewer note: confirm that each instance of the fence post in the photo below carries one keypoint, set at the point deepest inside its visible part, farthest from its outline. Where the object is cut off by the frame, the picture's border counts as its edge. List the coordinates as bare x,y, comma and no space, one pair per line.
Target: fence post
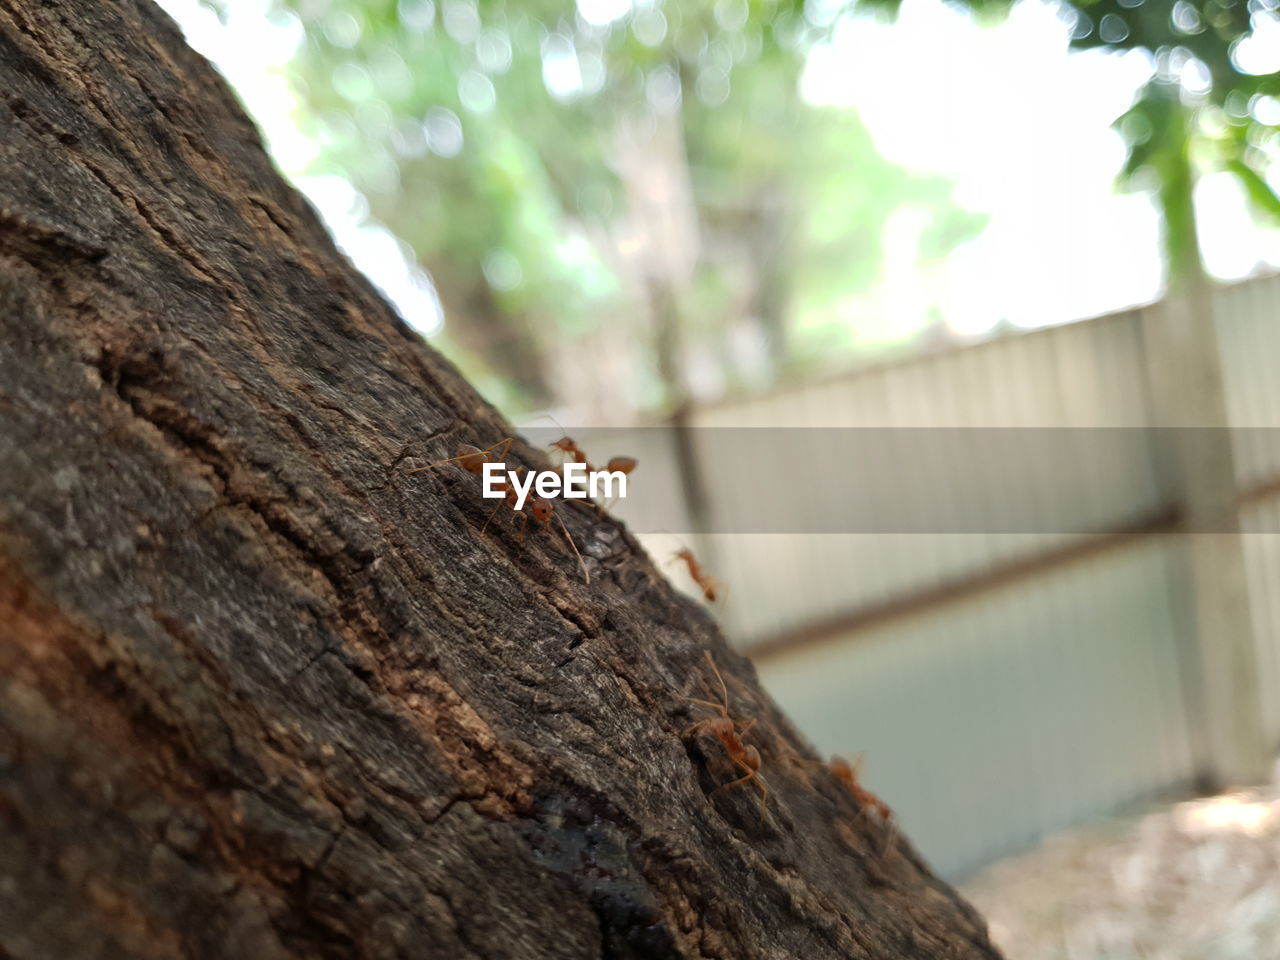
1185,379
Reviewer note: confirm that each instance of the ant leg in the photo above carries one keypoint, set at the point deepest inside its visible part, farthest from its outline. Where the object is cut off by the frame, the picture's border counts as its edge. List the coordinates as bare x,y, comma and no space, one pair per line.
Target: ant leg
705,703
893,836
724,715
750,775
764,795
586,576
506,448
579,503
701,723
441,463
864,810
492,514
524,517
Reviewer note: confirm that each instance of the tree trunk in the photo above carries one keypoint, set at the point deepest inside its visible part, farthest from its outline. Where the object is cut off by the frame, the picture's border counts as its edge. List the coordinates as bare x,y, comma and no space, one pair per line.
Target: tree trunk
265,694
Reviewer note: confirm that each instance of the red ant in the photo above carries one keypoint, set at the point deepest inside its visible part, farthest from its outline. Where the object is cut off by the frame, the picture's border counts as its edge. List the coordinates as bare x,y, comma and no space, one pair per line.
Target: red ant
472,459
848,775
570,448
725,730
711,587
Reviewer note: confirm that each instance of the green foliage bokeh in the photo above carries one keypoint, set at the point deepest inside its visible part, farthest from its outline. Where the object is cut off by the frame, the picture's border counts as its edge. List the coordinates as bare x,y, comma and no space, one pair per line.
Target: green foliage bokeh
449,118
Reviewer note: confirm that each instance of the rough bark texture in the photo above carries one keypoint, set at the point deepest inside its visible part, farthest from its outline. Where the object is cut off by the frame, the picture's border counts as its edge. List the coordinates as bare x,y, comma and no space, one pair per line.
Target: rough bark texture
262,693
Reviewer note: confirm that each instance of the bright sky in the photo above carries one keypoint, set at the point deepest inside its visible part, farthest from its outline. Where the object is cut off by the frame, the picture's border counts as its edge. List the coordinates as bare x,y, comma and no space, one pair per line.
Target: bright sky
936,93
934,90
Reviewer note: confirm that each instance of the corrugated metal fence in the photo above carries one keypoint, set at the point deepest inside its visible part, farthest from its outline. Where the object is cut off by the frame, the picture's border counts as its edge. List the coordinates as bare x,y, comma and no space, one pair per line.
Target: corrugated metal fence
1001,684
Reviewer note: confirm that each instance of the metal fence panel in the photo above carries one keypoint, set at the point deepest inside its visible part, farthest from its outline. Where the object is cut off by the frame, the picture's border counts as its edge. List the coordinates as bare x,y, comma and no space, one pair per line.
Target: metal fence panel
1000,718
1027,381
992,717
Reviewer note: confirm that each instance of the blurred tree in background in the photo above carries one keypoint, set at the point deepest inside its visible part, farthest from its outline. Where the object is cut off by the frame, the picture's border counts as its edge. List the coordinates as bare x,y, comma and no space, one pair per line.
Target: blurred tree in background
627,204
625,200
1202,109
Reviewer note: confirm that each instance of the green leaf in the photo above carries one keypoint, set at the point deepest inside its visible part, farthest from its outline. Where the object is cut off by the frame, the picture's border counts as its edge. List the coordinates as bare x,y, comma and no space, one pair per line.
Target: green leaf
1261,196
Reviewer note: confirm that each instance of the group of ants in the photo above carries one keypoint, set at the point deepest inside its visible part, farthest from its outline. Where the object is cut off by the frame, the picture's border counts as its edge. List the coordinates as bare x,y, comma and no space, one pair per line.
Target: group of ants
723,727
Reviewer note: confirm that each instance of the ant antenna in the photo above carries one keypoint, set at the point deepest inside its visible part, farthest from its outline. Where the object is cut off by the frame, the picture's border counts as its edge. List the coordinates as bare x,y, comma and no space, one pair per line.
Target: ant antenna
548,416
473,457
724,691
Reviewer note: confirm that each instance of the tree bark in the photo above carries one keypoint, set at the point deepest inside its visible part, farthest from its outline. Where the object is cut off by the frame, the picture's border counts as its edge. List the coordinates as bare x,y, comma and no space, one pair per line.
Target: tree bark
265,694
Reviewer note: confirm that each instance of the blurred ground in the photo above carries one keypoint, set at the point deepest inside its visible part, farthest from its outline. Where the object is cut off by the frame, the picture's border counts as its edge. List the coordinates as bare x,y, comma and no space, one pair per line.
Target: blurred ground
1198,880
